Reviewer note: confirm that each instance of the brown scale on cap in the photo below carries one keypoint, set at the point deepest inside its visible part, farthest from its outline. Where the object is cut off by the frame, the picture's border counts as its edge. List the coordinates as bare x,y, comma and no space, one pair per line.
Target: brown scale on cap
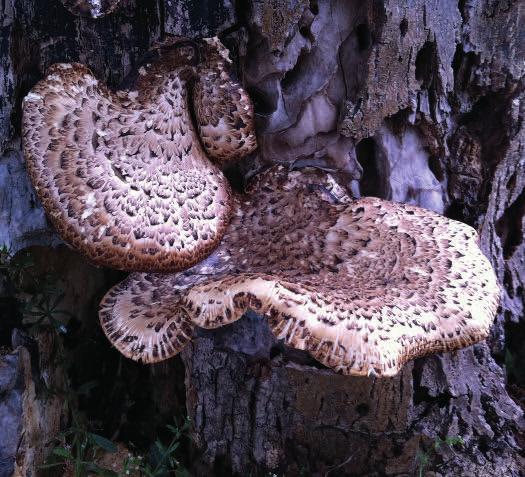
90,8
363,285
224,111
122,175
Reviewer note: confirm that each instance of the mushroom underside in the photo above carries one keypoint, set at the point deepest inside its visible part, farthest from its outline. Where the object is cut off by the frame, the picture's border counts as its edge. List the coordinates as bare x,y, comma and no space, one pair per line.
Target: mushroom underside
363,286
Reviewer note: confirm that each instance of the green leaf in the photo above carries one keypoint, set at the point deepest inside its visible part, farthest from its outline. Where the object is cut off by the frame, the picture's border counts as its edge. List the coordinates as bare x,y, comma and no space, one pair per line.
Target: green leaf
57,300
48,466
63,312
160,447
33,313
182,472
102,442
173,447
454,440
96,469
62,452
148,471
423,458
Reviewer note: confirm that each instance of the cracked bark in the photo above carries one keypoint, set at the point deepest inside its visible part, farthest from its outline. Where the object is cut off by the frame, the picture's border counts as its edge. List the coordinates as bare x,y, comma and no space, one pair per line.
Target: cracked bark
429,95
420,102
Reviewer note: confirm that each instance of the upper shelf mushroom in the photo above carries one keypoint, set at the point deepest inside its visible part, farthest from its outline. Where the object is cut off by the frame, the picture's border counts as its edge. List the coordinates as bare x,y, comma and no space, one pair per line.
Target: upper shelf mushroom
364,286
90,8
122,175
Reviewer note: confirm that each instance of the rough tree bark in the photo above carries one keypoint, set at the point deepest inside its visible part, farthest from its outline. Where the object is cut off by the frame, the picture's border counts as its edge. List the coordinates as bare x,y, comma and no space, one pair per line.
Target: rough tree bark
29,416
417,101
425,98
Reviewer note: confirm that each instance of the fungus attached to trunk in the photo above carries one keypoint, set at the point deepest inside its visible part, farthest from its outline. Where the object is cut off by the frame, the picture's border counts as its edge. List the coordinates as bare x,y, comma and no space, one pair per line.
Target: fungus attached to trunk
363,286
122,175
90,8
224,111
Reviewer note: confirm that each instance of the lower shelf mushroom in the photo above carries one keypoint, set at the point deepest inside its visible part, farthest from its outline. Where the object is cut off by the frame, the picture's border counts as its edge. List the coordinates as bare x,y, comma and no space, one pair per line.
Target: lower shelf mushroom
364,286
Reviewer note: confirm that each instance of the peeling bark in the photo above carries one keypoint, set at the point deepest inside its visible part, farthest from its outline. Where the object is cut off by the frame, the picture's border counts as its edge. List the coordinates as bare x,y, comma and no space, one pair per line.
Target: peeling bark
428,94
31,414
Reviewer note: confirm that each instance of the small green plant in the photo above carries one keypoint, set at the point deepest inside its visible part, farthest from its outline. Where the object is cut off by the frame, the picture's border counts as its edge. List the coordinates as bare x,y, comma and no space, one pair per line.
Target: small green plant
13,268
164,458
43,308
82,452
81,449
77,445
38,296
426,459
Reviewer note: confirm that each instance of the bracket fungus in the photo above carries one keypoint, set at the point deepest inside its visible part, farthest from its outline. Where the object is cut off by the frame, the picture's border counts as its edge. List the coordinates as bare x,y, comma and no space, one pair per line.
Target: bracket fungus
363,286
90,8
123,175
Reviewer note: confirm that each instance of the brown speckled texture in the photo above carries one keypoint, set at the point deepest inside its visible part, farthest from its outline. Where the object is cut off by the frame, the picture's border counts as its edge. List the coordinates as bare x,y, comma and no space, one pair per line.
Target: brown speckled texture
224,111
122,175
363,285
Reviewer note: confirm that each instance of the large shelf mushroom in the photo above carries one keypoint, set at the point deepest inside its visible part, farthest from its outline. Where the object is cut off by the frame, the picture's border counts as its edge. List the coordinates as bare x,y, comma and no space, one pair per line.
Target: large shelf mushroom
91,8
123,175
363,286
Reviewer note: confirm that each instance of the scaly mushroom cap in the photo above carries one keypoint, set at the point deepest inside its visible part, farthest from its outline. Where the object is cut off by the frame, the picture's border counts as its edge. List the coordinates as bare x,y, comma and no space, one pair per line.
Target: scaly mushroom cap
364,286
122,175
224,111
90,8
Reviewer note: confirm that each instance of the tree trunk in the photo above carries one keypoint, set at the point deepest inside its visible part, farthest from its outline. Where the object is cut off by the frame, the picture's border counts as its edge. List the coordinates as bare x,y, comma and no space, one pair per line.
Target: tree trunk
30,416
420,102
425,98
